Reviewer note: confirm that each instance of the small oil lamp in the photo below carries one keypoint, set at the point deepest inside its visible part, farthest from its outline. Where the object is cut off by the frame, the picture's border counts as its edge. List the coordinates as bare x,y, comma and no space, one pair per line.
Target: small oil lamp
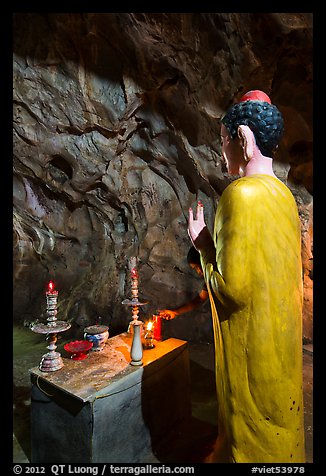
149,335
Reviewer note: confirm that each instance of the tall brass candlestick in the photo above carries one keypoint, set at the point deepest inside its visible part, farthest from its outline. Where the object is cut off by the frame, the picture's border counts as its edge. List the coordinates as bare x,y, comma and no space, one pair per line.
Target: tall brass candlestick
52,360
135,326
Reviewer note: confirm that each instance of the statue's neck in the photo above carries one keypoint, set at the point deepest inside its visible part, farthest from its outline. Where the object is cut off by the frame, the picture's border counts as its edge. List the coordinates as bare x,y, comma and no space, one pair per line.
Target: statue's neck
259,165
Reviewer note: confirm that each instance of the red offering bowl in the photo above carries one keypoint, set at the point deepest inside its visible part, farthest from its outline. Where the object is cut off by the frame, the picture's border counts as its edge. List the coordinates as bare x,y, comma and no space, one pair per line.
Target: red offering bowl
78,349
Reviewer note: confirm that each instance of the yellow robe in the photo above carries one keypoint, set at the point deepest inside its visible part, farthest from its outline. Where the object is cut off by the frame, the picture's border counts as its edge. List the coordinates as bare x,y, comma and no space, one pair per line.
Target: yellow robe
253,274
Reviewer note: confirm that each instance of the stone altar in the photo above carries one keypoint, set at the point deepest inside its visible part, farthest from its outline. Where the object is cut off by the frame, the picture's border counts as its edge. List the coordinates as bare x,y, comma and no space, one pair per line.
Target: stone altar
103,410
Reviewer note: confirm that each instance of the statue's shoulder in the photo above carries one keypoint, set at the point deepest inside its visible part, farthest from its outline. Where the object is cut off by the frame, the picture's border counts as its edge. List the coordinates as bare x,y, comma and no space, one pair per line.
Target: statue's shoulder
242,188
256,185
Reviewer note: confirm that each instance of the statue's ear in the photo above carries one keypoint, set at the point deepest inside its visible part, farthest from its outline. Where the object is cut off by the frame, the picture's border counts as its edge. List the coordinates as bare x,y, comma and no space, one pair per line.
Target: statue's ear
247,141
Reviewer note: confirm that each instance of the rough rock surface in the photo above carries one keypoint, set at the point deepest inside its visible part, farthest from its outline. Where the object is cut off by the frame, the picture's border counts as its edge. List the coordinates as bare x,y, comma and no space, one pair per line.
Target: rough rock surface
116,135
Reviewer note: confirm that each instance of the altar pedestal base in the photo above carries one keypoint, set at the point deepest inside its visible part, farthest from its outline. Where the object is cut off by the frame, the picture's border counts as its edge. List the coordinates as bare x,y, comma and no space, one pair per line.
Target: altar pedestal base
103,410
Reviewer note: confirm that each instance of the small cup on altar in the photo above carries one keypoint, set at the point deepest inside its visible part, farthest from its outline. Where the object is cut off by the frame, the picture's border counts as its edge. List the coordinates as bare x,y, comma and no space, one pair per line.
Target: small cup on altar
149,335
157,320
98,335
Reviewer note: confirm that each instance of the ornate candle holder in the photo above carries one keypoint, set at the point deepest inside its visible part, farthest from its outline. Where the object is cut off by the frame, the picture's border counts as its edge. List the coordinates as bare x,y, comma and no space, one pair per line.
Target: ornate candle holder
52,360
135,325
136,350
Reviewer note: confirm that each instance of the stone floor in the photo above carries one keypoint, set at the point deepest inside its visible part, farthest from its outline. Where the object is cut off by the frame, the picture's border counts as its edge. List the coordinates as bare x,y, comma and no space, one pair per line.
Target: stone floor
188,445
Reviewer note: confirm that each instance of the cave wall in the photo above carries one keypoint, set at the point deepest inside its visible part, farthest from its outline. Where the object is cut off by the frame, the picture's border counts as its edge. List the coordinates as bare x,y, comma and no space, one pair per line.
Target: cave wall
116,134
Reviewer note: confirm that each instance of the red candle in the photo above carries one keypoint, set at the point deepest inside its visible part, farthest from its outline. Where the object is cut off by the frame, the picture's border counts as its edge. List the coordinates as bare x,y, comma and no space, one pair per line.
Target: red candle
50,287
51,303
157,327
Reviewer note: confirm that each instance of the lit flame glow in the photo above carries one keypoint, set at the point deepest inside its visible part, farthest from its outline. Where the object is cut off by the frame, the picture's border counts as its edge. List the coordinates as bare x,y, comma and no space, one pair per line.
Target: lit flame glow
149,325
51,286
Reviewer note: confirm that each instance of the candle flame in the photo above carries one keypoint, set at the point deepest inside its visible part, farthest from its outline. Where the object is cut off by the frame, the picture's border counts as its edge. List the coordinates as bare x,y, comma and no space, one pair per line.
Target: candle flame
149,325
51,286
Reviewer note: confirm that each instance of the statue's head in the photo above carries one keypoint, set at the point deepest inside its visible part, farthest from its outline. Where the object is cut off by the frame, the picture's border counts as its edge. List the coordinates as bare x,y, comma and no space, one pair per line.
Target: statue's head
264,119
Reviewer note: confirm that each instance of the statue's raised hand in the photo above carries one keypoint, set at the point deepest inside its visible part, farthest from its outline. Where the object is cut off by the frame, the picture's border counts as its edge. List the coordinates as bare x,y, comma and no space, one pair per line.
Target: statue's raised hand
196,225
